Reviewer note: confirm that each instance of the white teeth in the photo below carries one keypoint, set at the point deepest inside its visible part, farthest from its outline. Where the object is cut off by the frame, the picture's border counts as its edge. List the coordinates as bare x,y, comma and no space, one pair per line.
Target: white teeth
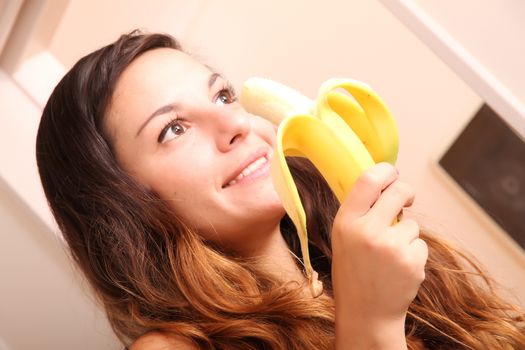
249,169
252,167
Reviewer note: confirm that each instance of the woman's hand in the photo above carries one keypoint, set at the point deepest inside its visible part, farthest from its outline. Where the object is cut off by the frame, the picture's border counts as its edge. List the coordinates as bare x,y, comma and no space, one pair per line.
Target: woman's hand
377,266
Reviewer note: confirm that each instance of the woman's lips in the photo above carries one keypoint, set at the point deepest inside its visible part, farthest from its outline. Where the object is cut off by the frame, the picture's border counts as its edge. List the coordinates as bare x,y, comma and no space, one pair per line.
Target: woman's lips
253,171
254,167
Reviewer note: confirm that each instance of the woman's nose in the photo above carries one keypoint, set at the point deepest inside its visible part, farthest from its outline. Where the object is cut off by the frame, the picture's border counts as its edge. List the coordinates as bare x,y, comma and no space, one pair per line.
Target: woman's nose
231,127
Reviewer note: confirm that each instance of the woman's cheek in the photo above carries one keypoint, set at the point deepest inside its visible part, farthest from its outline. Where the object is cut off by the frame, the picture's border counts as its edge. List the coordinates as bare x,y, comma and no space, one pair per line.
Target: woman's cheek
266,129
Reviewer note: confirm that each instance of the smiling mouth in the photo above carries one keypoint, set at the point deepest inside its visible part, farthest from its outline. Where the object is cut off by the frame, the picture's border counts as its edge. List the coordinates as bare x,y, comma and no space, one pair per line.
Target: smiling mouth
249,170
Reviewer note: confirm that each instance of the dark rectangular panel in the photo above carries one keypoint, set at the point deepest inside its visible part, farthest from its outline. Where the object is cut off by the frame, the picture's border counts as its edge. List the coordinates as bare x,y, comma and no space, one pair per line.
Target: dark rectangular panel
488,161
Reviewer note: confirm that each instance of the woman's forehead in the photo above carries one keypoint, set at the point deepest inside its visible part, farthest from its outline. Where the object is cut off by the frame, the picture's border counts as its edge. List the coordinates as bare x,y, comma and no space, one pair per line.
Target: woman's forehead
162,66
157,76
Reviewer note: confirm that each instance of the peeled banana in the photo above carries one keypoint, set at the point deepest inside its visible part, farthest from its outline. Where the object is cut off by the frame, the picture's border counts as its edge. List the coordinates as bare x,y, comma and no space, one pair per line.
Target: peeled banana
346,130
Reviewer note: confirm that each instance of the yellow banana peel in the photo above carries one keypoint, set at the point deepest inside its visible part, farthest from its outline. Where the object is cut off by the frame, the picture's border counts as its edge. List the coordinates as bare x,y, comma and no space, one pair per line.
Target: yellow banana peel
345,131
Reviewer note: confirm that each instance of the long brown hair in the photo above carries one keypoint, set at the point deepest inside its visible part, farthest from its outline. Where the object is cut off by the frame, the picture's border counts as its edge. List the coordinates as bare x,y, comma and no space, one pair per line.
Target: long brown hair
152,272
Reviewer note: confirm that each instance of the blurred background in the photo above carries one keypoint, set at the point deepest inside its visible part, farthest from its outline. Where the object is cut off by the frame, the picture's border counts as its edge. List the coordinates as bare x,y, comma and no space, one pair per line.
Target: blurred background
434,63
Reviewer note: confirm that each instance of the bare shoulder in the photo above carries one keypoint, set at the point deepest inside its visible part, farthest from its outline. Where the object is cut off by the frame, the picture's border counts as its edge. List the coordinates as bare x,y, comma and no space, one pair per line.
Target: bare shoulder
160,341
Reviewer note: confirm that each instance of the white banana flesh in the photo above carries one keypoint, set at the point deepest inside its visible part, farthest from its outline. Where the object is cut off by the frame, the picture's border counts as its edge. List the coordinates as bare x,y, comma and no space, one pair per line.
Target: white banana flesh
272,100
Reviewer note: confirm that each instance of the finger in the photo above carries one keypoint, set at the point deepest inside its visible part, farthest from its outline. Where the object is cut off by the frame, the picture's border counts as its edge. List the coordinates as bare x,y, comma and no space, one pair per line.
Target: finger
367,189
393,199
406,230
419,252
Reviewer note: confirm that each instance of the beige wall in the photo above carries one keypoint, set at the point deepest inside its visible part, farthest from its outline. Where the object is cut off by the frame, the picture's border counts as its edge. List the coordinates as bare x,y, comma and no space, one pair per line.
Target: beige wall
302,43
43,303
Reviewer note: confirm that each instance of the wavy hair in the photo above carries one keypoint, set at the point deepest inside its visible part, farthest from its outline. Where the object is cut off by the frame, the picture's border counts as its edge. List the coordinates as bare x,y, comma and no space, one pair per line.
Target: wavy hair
152,272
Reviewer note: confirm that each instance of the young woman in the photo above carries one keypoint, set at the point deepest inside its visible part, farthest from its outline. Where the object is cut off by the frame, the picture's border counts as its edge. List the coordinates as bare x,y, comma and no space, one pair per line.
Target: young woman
159,181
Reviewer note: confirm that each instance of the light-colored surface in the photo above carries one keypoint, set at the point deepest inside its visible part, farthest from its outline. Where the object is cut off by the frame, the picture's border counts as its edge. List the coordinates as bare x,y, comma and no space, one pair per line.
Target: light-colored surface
494,35
78,34
35,25
482,41
43,303
3,345
301,44
8,12
19,117
49,72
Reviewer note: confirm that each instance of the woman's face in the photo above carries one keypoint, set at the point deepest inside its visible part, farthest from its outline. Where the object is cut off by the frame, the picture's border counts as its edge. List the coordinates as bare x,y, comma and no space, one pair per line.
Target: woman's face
177,127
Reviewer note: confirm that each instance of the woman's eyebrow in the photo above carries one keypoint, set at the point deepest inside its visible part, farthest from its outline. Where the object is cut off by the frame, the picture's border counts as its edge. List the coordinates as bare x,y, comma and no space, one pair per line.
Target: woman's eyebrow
213,78
162,110
170,107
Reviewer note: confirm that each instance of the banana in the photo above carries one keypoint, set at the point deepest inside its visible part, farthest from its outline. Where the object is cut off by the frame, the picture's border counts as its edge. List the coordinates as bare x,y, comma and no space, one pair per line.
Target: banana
272,100
341,134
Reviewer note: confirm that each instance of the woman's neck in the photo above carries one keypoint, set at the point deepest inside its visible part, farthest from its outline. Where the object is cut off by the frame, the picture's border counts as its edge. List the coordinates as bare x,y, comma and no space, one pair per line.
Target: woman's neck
274,256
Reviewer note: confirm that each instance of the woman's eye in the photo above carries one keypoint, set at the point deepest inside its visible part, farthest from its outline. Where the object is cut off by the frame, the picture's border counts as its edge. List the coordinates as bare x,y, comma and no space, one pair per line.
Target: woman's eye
171,131
225,96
